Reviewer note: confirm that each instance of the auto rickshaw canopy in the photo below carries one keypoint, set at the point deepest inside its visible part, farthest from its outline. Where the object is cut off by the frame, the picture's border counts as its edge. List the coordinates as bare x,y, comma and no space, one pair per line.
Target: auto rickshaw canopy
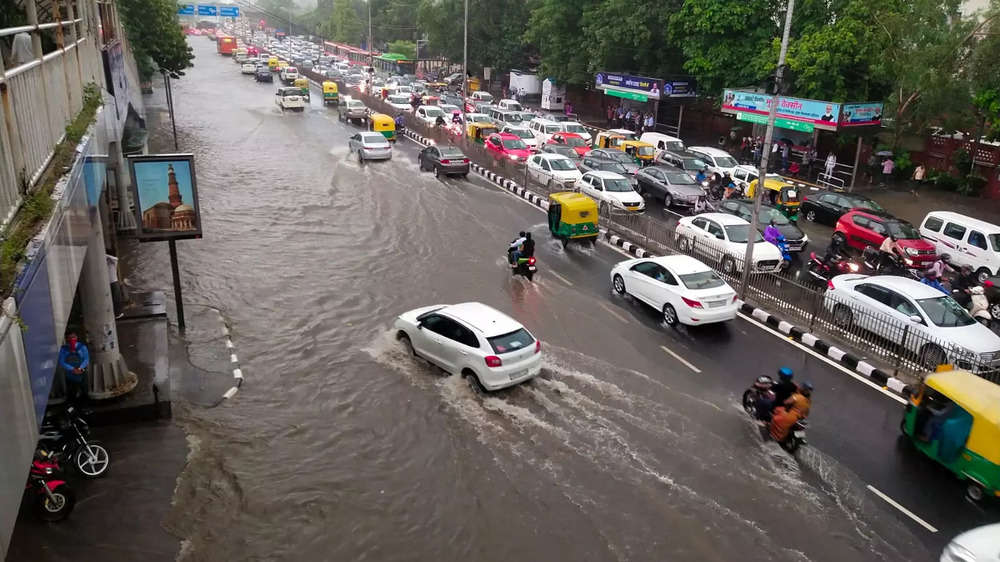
329,87
981,399
576,207
381,122
479,130
301,83
639,149
607,139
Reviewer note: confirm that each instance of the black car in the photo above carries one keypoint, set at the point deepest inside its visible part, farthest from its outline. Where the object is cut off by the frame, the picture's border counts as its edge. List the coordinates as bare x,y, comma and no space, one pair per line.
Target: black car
671,185
688,161
596,163
795,239
827,207
444,160
615,155
263,75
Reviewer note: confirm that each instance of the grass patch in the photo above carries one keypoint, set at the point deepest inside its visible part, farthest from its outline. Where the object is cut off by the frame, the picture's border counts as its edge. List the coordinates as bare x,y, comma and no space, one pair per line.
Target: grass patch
38,204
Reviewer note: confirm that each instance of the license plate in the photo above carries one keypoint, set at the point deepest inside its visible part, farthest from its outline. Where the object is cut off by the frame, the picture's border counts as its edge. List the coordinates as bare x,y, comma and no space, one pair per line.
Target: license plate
800,434
519,374
632,208
716,304
532,268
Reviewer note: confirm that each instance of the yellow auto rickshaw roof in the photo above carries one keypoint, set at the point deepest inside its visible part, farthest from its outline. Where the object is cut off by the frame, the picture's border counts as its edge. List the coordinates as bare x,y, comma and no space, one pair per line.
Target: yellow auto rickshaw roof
482,125
979,397
301,81
381,118
636,143
573,201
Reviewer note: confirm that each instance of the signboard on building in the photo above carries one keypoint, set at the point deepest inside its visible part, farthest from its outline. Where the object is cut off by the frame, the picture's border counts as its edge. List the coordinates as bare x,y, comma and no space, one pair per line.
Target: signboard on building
678,89
204,10
821,114
779,122
166,197
229,11
649,88
860,114
185,10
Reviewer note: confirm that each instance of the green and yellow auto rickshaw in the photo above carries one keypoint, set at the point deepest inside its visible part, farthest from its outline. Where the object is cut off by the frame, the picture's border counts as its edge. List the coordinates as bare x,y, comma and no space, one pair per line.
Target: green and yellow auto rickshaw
479,131
330,93
382,123
954,418
303,85
779,193
573,216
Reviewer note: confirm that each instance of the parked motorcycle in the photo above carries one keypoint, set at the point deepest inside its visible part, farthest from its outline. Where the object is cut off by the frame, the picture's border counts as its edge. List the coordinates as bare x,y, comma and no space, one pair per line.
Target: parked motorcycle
66,435
821,271
756,400
54,499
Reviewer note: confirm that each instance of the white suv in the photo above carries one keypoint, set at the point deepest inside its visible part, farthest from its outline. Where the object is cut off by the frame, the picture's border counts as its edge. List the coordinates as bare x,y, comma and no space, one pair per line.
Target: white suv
719,161
472,340
290,98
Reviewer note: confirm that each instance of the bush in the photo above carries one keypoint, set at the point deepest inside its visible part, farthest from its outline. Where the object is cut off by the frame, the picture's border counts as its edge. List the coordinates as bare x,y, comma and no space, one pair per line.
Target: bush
972,186
946,181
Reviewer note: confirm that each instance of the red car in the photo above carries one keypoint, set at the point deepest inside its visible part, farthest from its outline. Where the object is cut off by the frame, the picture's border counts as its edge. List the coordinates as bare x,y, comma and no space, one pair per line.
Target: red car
506,145
571,139
862,228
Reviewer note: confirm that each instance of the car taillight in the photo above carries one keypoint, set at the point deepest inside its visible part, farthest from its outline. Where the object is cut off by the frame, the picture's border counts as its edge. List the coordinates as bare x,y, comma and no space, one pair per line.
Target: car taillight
531,260
736,298
465,160
446,161
691,303
829,285
492,361
538,346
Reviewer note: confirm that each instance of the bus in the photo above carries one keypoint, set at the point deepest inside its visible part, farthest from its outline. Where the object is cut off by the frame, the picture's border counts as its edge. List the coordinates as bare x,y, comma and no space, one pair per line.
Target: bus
353,55
226,45
397,64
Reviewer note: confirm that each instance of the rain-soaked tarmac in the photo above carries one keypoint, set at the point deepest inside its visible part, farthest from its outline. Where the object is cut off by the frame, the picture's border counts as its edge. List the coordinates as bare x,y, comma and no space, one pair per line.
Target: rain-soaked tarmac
340,446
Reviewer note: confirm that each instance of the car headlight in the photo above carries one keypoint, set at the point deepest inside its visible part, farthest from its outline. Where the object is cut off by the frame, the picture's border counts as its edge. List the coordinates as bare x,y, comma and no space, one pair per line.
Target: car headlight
911,251
957,553
513,157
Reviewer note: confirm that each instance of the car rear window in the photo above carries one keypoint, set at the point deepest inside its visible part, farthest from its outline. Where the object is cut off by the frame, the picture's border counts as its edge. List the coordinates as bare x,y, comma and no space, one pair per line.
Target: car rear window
449,152
702,280
513,341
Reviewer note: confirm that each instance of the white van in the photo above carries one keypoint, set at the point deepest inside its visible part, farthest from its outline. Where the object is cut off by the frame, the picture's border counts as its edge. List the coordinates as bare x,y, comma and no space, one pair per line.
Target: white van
543,129
510,105
967,240
719,161
504,117
662,142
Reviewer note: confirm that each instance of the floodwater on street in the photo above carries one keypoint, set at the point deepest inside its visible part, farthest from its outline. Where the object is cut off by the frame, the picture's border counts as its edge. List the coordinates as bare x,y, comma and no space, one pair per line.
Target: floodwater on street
340,446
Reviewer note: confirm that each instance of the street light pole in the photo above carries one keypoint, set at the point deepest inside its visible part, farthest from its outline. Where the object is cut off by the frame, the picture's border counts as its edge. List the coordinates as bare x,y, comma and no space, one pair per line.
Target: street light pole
765,153
370,34
465,54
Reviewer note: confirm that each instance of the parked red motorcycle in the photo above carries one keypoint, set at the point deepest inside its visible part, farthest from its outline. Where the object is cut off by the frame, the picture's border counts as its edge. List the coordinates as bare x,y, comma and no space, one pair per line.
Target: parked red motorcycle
54,499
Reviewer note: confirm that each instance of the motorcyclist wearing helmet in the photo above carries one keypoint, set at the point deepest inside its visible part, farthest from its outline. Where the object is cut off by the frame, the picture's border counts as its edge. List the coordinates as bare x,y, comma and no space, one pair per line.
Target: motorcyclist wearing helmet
784,388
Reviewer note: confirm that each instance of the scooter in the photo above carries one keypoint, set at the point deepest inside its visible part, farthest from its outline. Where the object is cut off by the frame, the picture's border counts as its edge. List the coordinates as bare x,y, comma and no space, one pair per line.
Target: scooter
65,435
524,267
822,272
755,402
54,498
786,256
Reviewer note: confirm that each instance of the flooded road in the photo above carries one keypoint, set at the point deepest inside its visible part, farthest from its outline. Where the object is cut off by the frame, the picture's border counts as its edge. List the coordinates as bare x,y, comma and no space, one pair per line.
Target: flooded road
340,446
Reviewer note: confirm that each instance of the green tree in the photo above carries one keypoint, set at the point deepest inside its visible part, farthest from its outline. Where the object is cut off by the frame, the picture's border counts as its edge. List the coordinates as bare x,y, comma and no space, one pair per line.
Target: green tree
554,28
407,48
155,35
344,26
495,30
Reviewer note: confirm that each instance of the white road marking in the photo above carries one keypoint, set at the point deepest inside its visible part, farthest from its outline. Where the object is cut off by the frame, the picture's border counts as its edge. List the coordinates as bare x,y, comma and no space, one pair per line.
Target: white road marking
681,359
612,312
237,374
823,358
561,278
905,511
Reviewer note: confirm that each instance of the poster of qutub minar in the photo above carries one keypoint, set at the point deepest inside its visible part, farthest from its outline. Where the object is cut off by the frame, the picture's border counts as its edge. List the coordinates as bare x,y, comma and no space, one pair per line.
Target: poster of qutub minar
166,197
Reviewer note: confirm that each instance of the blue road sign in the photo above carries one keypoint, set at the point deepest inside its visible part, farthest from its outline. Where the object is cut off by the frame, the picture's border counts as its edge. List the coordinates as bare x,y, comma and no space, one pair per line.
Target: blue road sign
229,11
207,10
185,10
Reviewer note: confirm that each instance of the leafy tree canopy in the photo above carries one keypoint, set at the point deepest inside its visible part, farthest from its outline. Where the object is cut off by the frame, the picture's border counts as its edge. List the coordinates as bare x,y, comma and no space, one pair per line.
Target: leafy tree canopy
155,34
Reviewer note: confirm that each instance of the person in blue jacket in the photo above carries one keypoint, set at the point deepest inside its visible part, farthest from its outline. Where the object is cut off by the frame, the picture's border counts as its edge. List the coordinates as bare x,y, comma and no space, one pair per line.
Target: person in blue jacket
74,358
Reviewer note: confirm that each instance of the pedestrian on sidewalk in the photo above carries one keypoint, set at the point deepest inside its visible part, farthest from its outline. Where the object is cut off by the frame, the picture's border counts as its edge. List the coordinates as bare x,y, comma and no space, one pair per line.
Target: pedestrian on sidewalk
785,151
638,121
611,115
74,358
620,116
628,118
887,166
568,107
756,152
831,164
650,123
918,178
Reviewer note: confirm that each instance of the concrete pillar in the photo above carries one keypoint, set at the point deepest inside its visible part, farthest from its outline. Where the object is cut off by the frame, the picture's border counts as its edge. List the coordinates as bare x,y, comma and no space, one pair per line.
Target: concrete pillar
108,375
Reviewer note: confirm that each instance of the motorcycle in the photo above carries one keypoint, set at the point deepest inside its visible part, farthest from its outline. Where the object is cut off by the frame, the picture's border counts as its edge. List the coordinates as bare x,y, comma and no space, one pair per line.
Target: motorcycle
756,402
786,256
54,498
524,267
822,272
66,436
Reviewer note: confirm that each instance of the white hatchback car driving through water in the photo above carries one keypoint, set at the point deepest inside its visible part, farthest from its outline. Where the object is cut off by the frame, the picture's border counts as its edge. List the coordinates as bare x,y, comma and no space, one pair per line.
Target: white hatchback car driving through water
473,340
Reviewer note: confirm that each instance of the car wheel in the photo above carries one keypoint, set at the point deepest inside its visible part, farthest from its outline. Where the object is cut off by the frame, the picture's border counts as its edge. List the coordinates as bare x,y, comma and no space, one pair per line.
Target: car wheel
361,158
405,339
668,201
995,311
669,315
728,265
974,491
811,216
842,316
437,171
982,275
619,284
474,383
931,356
684,245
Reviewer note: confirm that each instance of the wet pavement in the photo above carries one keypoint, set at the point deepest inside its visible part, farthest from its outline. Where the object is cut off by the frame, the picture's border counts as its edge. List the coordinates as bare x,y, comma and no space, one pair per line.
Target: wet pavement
339,445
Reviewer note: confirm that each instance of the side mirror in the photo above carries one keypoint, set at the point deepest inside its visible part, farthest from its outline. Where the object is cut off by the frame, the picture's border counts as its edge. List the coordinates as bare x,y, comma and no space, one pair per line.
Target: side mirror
916,319
720,236
420,325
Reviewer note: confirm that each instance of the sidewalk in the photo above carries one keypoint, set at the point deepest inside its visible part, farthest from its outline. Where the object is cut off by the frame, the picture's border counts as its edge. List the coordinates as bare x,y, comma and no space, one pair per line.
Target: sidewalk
904,204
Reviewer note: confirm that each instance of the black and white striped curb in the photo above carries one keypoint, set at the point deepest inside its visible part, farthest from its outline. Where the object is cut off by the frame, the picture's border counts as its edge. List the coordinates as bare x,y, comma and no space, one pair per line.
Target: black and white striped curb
629,247
845,358
233,359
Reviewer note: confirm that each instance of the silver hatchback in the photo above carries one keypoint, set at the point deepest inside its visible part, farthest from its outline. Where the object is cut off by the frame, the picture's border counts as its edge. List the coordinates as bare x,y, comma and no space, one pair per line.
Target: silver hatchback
370,146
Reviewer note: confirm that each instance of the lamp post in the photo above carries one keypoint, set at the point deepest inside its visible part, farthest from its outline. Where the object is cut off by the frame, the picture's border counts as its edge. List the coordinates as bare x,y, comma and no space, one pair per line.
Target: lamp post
465,54
765,153
370,48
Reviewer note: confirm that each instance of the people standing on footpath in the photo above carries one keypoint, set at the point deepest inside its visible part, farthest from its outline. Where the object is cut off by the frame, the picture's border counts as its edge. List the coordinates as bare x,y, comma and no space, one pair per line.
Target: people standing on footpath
918,178
611,115
887,167
74,358
831,165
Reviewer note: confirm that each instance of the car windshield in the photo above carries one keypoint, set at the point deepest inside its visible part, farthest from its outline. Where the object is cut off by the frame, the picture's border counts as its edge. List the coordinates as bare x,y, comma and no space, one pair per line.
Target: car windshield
561,164
679,178
693,164
403,100
944,312
619,156
702,280
562,149
867,204
513,341
354,104
738,233
619,185
644,151
287,93
904,231
725,162
483,96
514,144
574,128
432,111
615,167
514,106
512,118
768,214
574,141
674,145
523,133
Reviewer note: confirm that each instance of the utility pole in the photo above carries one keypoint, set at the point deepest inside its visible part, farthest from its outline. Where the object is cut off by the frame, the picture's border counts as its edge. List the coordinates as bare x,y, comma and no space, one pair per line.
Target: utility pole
765,154
465,54
370,47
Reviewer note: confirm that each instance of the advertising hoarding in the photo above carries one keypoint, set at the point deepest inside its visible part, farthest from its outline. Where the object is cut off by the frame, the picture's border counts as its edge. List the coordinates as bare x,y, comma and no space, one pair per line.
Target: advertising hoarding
166,197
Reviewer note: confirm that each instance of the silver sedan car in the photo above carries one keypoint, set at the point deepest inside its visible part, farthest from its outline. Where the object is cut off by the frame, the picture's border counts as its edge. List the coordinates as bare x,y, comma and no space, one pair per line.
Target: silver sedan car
370,146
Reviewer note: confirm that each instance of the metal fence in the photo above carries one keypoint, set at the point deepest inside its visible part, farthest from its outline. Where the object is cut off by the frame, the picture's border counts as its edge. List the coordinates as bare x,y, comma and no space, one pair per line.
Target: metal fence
905,347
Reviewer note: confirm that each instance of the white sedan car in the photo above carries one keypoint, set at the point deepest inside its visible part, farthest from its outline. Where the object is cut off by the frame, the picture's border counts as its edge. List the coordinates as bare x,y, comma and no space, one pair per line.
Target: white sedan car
472,340
553,170
940,330
522,133
400,102
611,188
723,238
248,68
682,288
